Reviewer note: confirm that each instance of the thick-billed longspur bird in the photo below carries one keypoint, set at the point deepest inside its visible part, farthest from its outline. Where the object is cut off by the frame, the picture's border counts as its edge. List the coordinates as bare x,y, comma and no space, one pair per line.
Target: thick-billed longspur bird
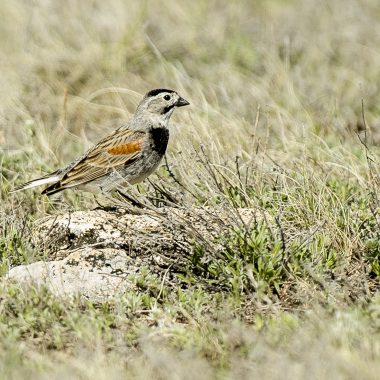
128,155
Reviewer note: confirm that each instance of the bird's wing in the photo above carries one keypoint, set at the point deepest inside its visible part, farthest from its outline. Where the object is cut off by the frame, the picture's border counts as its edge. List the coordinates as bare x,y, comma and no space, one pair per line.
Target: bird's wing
119,149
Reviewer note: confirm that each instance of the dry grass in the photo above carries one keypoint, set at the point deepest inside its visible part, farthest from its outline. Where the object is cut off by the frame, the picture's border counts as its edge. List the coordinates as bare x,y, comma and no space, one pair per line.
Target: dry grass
278,84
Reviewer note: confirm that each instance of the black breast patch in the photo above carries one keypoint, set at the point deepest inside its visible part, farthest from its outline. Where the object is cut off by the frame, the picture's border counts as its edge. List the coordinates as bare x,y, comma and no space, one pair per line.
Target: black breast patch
160,137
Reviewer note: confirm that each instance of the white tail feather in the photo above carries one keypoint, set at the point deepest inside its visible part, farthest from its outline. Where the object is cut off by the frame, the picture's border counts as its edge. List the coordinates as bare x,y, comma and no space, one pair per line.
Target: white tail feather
36,182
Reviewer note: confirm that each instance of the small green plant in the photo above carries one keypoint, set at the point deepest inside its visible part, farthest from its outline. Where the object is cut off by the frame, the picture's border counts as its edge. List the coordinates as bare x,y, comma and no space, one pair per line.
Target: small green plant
372,256
15,248
250,259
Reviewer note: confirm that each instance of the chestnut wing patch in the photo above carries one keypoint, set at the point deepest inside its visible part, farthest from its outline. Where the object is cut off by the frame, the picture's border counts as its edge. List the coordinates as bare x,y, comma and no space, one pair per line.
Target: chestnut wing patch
132,147
109,154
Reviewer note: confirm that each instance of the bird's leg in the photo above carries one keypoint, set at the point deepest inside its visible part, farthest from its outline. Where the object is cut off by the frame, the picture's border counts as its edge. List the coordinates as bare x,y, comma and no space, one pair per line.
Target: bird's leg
131,200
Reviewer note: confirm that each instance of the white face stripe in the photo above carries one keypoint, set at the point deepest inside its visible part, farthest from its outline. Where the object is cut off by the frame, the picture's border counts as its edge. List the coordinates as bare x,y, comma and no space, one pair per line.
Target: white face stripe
158,104
161,120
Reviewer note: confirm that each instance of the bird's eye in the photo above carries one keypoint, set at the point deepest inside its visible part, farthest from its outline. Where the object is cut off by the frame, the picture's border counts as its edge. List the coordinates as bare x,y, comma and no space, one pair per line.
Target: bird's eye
167,97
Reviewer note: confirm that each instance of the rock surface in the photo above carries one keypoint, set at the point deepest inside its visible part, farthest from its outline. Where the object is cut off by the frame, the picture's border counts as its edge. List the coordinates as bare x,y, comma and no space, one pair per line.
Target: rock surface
99,253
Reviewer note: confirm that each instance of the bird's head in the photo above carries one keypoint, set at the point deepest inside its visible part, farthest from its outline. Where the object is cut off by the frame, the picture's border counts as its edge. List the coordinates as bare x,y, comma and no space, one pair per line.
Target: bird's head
160,103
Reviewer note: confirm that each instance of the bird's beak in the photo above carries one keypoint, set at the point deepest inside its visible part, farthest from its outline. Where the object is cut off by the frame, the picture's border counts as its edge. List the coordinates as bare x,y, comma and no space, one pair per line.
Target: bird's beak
182,102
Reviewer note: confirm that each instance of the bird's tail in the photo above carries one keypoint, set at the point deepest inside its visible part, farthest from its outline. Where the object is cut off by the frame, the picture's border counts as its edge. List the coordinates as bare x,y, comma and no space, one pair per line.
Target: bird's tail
37,182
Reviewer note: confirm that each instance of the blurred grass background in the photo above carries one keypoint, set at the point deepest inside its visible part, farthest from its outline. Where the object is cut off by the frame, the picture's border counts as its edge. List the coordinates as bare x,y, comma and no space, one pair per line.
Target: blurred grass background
278,84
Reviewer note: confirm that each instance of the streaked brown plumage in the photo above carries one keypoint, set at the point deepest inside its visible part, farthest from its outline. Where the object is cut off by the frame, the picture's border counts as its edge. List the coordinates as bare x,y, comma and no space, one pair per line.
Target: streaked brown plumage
129,154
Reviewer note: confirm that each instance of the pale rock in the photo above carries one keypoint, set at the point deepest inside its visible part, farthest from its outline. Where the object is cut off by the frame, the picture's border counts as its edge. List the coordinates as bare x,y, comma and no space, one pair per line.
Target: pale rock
100,253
